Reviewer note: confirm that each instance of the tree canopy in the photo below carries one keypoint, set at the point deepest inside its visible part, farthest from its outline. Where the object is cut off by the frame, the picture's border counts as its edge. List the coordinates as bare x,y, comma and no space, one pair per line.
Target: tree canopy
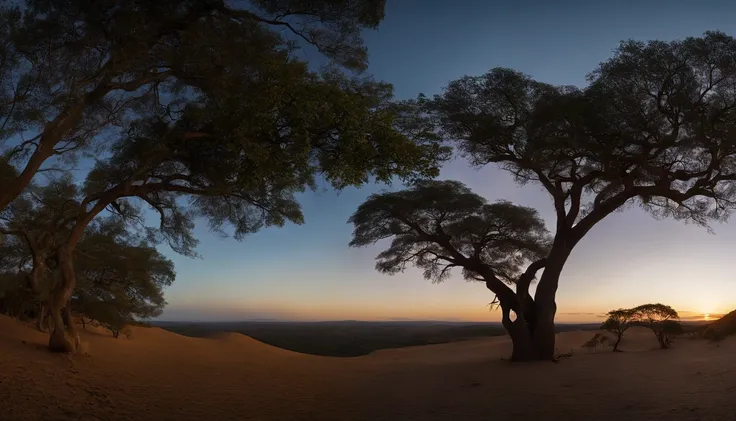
662,319
75,72
652,125
439,225
618,322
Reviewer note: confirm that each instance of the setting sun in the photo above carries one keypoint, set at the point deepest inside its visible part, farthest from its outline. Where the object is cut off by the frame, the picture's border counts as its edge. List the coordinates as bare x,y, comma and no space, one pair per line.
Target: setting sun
706,316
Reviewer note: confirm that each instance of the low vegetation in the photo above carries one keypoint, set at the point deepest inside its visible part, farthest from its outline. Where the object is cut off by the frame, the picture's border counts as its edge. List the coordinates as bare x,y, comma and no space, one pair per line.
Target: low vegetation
597,340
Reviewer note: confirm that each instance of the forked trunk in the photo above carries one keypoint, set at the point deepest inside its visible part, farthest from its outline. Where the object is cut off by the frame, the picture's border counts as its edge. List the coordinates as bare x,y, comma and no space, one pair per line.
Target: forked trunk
521,338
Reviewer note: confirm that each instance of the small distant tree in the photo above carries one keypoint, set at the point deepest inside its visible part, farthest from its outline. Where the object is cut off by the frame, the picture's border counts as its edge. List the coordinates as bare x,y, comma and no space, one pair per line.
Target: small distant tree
663,321
618,322
441,225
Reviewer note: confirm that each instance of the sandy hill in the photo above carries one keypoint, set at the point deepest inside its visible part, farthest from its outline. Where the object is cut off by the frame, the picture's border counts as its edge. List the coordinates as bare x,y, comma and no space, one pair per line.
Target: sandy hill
159,375
725,326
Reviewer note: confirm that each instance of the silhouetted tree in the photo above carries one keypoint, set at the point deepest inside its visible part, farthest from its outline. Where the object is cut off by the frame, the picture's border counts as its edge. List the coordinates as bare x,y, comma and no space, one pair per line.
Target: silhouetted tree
653,127
72,71
441,225
661,319
618,322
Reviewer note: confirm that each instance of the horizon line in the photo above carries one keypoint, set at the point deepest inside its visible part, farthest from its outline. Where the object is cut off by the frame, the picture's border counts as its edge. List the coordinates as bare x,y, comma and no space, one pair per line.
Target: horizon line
376,321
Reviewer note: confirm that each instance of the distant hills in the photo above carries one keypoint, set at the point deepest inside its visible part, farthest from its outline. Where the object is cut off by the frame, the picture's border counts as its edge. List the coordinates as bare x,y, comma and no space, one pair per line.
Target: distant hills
725,326
350,338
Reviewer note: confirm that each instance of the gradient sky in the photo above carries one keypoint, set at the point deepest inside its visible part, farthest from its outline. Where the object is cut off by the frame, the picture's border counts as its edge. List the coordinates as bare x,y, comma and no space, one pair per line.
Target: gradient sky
307,272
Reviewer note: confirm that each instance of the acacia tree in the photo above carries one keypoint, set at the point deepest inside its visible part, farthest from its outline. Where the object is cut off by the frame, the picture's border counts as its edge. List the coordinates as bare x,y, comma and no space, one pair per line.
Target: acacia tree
653,127
618,322
72,71
441,225
661,319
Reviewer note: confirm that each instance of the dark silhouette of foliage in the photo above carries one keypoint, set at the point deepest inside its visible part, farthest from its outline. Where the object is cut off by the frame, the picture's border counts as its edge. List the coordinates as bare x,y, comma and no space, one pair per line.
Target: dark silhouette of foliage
661,319
440,225
72,71
653,127
618,322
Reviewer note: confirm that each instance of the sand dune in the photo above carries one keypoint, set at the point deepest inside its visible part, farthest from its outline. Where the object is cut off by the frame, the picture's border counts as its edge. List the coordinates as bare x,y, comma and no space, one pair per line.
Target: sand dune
159,375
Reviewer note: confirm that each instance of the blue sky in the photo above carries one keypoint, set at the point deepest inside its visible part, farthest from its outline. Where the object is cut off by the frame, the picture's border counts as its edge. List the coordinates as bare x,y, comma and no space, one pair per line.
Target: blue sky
307,272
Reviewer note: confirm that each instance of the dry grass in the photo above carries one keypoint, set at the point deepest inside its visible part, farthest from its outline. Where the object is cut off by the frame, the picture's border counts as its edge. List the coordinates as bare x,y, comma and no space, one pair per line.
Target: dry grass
159,375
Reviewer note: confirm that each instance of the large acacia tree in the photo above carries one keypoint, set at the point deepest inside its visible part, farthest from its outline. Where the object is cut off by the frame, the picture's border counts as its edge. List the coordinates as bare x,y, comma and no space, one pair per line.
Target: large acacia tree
72,71
441,225
654,126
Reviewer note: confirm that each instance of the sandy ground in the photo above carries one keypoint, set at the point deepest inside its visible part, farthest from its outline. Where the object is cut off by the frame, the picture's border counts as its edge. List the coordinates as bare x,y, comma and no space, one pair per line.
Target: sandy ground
158,375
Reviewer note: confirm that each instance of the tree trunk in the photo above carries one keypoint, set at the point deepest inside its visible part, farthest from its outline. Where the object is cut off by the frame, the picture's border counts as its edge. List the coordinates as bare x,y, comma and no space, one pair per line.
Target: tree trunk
71,327
618,341
41,317
545,305
58,340
521,338
663,339
64,340
546,308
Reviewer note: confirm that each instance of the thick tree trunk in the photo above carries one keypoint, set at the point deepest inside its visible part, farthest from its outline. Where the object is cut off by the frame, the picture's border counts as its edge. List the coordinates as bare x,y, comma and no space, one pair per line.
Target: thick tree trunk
544,300
521,338
71,327
58,340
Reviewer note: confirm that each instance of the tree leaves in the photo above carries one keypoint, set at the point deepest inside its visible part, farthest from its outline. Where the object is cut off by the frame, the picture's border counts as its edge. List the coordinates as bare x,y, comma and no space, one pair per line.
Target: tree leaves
654,125
439,225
